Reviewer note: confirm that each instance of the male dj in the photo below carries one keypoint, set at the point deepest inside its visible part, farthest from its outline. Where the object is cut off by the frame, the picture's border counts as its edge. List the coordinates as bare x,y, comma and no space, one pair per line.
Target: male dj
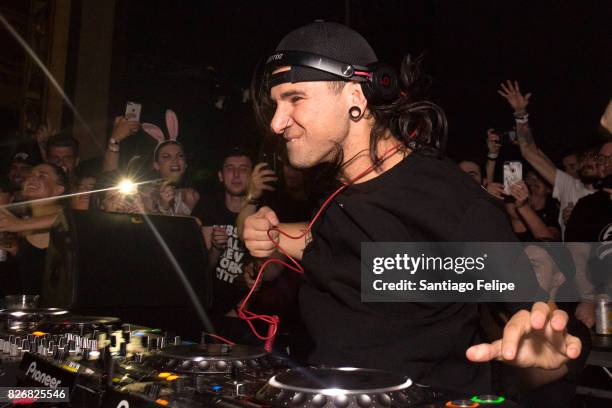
353,118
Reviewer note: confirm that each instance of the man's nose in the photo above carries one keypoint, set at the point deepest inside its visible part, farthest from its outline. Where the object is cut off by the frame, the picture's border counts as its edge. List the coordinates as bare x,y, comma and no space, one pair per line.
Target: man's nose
280,121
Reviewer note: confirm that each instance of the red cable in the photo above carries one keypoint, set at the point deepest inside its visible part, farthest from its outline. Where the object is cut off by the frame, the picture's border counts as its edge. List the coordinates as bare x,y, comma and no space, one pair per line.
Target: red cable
273,321
223,339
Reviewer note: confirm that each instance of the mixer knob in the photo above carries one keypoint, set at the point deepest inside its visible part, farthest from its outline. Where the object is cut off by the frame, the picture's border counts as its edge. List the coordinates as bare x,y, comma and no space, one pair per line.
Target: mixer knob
186,365
384,399
341,401
298,398
14,351
152,390
221,365
319,400
177,340
138,357
364,401
162,342
204,365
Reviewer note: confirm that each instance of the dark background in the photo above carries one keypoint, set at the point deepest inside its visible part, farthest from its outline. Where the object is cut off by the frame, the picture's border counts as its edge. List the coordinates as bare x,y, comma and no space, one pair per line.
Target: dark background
183,55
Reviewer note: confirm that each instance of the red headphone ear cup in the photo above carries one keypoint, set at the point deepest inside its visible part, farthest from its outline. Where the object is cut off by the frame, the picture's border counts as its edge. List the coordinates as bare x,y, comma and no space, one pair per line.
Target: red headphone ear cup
383,85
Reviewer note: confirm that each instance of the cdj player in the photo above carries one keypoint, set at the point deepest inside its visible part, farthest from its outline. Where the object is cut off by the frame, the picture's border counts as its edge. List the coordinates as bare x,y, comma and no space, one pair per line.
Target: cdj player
105,363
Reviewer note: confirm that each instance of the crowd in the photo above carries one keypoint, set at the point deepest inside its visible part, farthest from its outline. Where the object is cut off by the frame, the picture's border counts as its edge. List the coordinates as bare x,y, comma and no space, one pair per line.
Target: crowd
549,204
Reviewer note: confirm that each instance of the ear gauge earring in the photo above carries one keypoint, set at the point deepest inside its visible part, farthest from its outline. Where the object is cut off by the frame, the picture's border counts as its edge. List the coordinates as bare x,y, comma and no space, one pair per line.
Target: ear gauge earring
355,113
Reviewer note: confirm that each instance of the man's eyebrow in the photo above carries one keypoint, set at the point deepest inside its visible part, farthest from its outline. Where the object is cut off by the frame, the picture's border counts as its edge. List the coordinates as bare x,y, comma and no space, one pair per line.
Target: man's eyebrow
289,94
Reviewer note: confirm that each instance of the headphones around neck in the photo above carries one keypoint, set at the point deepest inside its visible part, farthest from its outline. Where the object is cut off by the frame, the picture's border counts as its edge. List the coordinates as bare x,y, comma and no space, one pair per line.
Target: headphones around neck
379,81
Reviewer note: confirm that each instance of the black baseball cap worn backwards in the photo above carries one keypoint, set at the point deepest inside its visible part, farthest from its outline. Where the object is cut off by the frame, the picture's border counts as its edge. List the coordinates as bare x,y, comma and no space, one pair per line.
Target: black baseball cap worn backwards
325,51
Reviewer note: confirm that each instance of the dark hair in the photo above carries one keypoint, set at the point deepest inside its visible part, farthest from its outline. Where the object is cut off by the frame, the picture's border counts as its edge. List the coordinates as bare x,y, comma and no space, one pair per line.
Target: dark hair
414,121
63,140
237,151
62,176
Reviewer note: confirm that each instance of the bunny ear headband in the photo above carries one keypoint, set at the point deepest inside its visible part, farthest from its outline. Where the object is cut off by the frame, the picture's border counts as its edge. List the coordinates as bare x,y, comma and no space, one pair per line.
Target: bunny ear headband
157,134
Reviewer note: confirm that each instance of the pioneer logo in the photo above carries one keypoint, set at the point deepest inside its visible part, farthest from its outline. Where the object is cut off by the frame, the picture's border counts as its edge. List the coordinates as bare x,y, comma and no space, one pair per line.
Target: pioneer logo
41,377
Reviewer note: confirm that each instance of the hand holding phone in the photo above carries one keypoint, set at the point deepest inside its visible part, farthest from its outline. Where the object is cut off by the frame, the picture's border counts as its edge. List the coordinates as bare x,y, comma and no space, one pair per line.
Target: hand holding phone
132,111
513,173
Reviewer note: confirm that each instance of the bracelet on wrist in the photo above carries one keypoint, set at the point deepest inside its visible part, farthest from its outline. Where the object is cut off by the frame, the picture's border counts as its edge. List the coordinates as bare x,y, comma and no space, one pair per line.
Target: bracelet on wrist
112,140
113,148
250,200
492,156
521,117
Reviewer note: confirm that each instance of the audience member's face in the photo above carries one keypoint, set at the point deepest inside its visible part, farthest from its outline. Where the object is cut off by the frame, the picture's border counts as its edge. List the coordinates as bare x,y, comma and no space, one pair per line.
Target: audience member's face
235,174
587,171
18,172
604,160
547,273
43,182
63,157
570,165
170,162
82,201
472,169
537,186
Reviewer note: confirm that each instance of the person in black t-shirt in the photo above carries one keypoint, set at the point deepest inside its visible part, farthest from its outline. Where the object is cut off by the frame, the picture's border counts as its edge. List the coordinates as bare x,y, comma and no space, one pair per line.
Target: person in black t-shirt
324,93
227,255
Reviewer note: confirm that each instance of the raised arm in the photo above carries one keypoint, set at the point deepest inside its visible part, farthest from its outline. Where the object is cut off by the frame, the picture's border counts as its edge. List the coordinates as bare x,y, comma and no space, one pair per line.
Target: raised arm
122,129
530,151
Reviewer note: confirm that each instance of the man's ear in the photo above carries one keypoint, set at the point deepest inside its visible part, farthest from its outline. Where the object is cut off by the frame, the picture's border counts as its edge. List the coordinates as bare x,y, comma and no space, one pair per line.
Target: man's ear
220,174
356,96
156,166
77,161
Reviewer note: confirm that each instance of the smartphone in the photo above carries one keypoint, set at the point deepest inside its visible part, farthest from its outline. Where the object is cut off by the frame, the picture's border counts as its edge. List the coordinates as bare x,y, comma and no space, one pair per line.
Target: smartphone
267,155
132,111
513,173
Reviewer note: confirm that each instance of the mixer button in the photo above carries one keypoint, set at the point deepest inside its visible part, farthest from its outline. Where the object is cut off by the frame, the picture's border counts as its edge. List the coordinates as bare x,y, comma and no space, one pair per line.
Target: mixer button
341,401
384,399
364,401
319,400
298,398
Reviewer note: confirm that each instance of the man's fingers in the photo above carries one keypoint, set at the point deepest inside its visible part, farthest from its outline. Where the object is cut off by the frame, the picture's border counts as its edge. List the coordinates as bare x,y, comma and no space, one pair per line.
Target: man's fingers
517,88
514,330
559,320
527,96
539,313
573,346
272,218
484,352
